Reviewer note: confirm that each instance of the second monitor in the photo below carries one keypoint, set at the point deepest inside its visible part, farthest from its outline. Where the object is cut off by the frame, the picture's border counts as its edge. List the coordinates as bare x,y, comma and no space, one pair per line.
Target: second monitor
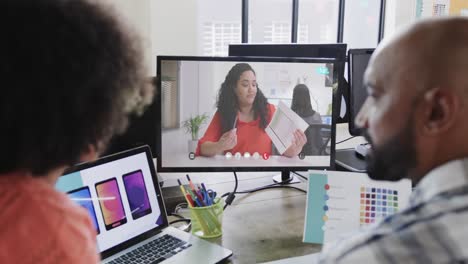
220,114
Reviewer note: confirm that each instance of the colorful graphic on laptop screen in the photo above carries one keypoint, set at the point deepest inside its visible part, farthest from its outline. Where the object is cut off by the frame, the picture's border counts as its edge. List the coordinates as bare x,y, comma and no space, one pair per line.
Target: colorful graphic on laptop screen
82,196
136,194
111,203
119,196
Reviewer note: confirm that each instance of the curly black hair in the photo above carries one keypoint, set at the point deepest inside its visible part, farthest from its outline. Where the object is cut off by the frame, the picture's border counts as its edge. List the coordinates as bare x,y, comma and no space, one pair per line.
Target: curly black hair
70,74
227,104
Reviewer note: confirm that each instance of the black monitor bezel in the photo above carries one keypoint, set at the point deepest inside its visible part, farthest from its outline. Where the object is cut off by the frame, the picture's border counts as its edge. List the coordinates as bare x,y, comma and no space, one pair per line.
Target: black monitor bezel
353,130
335,110
145,235
296,50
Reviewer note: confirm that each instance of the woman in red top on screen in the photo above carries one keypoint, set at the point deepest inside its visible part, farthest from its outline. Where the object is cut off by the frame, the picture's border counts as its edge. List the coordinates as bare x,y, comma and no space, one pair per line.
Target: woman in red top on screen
242,116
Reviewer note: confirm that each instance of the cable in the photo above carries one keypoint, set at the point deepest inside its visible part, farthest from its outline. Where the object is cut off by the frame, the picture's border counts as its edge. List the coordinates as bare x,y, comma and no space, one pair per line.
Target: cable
181,217
344,140
254,189
272,187
261,188
176,215
300,175
265,187
231,195
180,206
180,220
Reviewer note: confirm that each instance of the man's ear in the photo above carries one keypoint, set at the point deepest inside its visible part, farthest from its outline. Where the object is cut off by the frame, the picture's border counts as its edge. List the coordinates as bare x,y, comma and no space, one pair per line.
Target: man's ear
90,154
440,109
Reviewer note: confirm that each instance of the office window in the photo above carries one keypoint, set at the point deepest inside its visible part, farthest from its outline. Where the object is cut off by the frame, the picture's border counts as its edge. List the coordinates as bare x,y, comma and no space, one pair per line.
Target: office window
277,32
303,33
361,23
318,21
218,35
270,21
219,24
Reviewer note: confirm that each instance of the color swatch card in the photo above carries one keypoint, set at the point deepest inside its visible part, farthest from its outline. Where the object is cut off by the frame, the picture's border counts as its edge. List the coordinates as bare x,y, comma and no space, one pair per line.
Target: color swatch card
340,202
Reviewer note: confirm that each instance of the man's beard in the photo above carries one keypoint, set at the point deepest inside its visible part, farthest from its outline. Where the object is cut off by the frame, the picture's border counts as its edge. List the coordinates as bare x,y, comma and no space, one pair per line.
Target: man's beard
393,160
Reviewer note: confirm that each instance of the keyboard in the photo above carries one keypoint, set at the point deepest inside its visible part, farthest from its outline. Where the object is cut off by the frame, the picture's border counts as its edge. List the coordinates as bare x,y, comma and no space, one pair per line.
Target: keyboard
155,251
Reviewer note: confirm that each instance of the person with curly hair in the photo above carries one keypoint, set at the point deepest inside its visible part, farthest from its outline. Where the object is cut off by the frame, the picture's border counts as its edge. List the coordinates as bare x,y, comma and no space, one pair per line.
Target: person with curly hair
241,118
71,74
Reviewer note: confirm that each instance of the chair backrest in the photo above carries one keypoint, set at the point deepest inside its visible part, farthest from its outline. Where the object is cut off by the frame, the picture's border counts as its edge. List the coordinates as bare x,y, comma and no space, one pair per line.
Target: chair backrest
324,130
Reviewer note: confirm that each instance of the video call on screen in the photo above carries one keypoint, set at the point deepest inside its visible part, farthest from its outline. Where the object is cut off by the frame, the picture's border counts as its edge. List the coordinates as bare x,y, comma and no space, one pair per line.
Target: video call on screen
191,88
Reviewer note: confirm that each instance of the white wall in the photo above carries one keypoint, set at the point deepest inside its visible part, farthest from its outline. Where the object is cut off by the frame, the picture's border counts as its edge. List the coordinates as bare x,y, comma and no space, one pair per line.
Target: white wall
137,14
188,107
168,27
173,28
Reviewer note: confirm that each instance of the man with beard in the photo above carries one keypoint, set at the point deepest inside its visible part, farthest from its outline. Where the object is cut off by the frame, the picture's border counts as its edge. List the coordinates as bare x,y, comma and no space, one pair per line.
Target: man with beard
415,118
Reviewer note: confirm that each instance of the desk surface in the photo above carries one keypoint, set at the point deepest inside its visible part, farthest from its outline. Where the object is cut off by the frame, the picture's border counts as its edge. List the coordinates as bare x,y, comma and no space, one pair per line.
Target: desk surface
266,225
262,226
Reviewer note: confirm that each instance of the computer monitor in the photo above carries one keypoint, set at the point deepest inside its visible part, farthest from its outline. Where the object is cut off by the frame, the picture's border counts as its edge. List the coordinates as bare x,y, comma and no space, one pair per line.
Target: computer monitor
190,88
357,64
334,51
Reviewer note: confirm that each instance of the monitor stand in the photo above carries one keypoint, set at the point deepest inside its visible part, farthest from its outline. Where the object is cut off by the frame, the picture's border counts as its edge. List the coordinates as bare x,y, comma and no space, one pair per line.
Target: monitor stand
286,176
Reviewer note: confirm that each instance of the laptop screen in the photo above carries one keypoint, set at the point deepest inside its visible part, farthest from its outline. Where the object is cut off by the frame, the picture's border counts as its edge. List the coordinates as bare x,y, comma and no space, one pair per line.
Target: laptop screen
119,195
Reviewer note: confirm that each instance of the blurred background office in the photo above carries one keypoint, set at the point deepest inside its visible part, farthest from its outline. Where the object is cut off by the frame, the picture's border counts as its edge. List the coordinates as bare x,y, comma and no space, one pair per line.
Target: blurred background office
207,27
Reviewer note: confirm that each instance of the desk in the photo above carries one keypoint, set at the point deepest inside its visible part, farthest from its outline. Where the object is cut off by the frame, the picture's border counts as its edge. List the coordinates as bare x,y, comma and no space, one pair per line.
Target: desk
261,226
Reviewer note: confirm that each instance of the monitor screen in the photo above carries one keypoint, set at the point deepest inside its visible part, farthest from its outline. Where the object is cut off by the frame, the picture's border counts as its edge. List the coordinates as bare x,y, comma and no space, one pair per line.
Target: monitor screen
332,50
218,114
357,64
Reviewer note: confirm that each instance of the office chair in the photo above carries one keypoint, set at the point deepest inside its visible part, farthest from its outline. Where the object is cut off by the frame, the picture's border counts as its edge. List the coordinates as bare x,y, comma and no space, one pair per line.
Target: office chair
323,132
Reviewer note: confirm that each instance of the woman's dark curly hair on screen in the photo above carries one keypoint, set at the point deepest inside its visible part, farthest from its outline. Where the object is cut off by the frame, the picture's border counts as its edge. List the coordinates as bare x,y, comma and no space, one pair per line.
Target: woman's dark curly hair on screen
228,105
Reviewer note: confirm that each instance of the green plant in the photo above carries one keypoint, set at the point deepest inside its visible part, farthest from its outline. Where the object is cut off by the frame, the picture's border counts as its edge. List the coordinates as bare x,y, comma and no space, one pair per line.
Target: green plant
192,125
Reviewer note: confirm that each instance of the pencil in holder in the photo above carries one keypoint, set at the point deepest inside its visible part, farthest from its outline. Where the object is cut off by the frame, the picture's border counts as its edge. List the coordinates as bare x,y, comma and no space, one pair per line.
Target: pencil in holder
207,221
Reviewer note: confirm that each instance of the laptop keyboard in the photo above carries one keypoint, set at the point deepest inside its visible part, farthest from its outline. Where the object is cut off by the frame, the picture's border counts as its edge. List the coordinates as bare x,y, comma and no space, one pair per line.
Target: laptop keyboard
155,251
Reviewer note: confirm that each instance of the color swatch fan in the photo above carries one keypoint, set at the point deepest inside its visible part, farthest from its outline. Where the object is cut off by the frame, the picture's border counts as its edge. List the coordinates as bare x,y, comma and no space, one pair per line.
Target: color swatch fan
340,202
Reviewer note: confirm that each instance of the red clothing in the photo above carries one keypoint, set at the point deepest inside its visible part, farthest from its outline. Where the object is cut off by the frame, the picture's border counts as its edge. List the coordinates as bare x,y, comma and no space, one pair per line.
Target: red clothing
250,137
41,225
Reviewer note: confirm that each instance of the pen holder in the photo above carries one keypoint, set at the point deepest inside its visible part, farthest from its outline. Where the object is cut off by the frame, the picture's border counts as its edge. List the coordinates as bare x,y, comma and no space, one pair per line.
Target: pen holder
207,221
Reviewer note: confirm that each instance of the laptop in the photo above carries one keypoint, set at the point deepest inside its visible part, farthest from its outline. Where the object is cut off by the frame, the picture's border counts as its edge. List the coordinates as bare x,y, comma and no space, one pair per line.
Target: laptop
122,195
